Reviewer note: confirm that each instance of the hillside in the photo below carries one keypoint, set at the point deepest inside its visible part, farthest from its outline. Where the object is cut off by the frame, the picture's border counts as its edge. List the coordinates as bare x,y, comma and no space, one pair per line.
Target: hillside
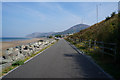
73,29
106,30
38,34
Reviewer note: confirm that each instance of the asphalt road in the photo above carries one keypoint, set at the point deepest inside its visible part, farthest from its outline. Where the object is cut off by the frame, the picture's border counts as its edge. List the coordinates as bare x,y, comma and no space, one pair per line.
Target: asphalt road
59,61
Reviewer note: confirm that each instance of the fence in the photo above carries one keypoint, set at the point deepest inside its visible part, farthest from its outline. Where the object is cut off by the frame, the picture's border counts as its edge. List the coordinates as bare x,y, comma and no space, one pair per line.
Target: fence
106,48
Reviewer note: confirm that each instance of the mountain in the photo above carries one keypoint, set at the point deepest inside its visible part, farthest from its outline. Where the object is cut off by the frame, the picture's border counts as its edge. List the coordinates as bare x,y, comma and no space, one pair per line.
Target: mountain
73,29
38,34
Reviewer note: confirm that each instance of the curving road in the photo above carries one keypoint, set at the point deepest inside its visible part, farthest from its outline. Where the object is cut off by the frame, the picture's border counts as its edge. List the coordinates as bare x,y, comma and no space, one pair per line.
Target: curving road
59,61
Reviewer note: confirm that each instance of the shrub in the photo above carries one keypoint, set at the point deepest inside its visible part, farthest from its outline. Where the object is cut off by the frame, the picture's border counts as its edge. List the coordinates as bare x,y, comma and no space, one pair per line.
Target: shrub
113,23
58,36
50,37
107,18
119,14
17,63
113,14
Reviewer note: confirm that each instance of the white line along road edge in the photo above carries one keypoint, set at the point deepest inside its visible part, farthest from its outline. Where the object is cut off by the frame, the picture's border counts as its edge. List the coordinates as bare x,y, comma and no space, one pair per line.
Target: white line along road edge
24,62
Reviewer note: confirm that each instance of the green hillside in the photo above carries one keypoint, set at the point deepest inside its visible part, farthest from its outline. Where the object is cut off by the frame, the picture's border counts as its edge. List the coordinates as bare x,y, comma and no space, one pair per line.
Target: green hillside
106,31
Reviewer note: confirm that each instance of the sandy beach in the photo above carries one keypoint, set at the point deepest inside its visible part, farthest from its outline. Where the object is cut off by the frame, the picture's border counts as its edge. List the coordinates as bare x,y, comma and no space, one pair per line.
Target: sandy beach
6,45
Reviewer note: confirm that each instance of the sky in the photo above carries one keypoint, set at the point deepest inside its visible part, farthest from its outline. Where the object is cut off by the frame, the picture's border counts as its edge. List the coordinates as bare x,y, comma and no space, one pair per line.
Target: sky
22,18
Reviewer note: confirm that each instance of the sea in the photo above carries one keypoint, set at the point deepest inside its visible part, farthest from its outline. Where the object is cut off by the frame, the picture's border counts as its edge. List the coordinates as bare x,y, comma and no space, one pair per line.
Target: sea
7,39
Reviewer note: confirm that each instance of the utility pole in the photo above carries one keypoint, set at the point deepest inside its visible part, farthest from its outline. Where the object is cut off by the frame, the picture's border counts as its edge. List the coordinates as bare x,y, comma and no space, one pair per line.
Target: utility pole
97,11
82,21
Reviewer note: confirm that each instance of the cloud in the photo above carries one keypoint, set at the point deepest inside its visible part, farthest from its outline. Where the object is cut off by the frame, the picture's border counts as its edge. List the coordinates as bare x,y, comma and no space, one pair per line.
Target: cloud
60,17
24,9
63,12
45,17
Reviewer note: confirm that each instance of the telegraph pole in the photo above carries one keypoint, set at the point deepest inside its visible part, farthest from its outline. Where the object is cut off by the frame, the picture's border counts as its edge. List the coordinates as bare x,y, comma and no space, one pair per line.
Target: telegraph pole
97,12
82,21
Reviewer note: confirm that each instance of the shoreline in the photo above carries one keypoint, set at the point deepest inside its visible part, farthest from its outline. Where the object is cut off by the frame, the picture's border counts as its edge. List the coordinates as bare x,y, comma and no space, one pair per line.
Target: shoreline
8,44
16,56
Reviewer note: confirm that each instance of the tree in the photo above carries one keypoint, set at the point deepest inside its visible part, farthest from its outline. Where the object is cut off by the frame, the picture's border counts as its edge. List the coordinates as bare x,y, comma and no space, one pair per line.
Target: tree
107,18
50,37
113,14
58,36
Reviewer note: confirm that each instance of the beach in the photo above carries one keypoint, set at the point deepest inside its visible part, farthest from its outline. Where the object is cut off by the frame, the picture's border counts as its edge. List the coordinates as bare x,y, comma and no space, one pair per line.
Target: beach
6,45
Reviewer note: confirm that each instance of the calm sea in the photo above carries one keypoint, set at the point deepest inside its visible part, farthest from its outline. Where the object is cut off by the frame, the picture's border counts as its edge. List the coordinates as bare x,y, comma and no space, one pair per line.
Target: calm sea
13,39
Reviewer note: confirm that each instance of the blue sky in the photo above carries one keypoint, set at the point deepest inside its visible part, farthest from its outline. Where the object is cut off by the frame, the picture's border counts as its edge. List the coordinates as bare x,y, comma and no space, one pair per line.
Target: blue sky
22,18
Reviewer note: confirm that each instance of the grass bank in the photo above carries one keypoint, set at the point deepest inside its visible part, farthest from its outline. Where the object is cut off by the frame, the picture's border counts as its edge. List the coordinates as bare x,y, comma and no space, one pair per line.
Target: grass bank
106,62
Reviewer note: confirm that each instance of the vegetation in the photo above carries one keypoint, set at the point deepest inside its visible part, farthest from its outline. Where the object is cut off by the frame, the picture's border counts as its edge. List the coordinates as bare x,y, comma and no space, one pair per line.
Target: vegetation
50,36
107,18
17,63
58,36
37,52
6,70
21,62
113,14
105,61
106,31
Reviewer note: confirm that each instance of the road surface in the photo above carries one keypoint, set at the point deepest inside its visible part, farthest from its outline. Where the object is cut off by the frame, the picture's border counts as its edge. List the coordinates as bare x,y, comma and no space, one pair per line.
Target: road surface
59,61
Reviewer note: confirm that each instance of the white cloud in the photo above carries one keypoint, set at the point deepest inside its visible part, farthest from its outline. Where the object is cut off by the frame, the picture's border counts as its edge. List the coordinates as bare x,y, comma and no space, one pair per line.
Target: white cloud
63,19
26,10
59,18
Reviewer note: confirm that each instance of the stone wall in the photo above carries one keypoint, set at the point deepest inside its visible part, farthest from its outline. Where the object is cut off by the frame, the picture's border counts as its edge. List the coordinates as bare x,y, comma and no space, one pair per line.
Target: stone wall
23,51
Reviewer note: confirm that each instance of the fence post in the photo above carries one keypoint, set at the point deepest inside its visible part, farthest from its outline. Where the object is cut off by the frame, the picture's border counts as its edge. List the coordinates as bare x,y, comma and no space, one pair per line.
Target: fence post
95,45
102,48
89,43
115,53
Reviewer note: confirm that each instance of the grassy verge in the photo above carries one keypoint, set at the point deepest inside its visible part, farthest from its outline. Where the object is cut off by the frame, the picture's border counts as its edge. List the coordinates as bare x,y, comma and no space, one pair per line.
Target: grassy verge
21,62
38,52
103,60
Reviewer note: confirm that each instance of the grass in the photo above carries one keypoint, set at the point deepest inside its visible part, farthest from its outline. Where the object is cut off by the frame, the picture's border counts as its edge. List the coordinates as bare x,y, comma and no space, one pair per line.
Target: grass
107,63
37,52
103,60
6,70
21,62
17,63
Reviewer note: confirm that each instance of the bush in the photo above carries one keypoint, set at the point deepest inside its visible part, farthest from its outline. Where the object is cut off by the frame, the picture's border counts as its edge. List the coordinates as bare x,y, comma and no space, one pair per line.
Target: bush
113,14
50,37
119,14
107,18
58,36
17,63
